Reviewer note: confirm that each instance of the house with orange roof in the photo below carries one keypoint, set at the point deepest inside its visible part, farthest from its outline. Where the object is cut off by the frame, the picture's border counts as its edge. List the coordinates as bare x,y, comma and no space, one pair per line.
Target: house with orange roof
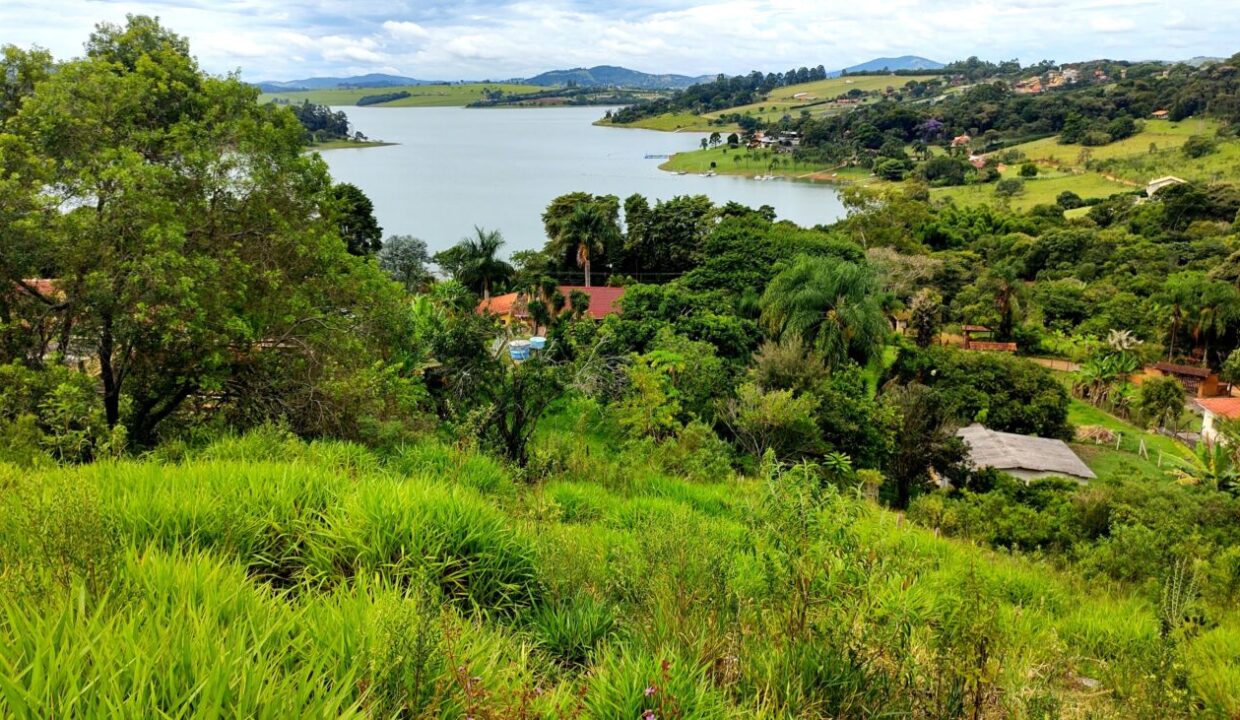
1214,408
514,306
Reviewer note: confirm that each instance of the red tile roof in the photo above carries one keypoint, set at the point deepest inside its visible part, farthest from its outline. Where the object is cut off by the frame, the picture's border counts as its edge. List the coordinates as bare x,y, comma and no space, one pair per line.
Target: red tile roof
498,304
1228,407
604,301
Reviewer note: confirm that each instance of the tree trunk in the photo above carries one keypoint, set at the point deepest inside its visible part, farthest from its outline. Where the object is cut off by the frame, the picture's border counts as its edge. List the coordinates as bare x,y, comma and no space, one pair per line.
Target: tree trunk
111,387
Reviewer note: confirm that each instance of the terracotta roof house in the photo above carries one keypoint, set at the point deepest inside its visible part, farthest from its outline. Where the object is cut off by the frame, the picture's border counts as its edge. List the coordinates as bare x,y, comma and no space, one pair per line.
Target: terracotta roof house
1159,114
1214,408
1027,457
604,301
961,140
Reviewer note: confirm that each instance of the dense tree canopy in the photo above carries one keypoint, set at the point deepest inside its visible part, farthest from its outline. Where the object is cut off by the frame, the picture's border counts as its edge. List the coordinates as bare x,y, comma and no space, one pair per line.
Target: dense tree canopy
185,232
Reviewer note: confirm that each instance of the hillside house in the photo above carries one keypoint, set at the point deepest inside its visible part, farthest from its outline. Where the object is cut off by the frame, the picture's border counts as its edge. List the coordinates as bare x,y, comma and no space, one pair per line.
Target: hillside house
1159,183
1212,409
1026,457
977,161
1160,114
962,141
1198,382
514,307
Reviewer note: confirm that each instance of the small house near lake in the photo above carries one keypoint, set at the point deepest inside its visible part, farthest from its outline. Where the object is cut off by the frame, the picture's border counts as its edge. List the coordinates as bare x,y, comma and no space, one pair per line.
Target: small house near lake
1026,457
604,301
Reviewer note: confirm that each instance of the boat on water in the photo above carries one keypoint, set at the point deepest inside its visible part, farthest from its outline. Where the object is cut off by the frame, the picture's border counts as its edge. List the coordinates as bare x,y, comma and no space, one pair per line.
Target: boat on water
683,172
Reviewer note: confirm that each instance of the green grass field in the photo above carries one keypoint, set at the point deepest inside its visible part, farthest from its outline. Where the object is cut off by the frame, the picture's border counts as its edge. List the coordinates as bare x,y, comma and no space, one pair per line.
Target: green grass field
265,577
420,95
739,161
674,122
1041,190
1162,133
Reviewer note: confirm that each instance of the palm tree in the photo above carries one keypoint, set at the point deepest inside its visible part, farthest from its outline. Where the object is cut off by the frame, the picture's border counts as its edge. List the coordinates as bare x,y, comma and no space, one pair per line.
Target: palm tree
831,304
480,267
590,231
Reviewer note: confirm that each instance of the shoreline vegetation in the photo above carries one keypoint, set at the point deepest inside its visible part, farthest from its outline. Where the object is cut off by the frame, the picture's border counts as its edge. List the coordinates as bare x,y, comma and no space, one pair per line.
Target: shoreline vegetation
1123,166
348,144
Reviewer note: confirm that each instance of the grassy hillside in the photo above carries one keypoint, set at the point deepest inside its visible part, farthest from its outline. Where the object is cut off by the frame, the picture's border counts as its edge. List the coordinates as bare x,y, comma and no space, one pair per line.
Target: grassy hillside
674,122
782,101
323,580
419,95
816,96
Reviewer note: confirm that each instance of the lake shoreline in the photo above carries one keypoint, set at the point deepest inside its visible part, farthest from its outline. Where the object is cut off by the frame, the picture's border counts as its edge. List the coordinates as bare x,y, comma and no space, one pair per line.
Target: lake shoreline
450,169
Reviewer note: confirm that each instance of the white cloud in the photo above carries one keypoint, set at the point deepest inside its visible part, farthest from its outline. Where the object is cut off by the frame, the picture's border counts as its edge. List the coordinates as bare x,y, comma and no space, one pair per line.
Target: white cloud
448,39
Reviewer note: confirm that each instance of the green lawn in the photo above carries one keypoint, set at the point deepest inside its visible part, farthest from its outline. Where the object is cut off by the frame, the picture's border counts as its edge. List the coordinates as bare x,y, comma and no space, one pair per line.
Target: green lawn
750,163
1042,190
420,95
674,122
1162,133
1106,459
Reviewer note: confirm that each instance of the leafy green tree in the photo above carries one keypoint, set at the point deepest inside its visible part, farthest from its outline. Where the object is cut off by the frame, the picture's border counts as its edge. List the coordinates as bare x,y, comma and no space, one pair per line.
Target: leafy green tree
776,420
475,262
590,230
923,443
355,215
831,304
1161,402
20,71
670,237
925,316
405,258
189,236
584,230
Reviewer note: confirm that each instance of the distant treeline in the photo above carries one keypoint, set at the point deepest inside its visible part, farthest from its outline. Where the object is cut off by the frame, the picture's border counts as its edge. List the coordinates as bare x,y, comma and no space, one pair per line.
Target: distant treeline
566,96
322,123
383,98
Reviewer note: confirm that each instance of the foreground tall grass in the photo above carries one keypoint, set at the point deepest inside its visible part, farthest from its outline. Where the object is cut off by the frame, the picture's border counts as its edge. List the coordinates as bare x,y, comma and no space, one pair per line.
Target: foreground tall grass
264,577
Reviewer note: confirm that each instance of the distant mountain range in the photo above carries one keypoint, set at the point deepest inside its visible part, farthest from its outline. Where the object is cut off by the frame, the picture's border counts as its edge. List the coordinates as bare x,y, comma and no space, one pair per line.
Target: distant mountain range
904,62
598,76
373,80
612,76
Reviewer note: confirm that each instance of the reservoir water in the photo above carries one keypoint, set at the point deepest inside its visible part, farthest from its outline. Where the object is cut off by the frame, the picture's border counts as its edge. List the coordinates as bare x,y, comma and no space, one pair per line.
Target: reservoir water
454,168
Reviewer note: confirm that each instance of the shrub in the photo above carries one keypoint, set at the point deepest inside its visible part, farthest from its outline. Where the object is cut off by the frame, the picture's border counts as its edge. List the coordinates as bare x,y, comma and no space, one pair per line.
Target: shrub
1009,187
627,684
1028,170
1197,146
569,631
406,530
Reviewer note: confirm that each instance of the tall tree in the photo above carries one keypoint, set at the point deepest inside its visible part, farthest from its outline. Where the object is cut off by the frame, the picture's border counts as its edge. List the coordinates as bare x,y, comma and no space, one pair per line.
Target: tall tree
404,258
831,304
583,227
355,215
475,262
590,230
186,230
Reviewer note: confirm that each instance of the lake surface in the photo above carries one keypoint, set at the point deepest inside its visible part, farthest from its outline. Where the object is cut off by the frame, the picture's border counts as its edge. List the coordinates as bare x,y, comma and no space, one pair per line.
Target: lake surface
455,168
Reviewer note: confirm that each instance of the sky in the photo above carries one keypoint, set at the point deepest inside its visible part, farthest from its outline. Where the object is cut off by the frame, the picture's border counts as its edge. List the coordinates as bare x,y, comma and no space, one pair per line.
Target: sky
499,39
